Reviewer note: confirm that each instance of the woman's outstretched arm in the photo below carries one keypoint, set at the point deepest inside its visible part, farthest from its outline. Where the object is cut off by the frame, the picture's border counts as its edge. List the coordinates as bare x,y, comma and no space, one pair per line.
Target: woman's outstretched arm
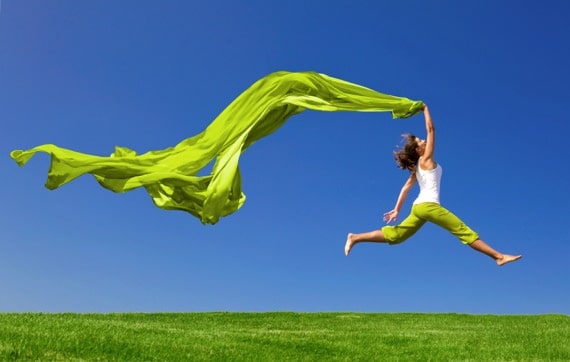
427,161
393,215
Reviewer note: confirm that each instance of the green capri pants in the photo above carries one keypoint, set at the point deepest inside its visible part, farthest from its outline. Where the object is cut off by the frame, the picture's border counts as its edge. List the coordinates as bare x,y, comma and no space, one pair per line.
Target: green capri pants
432,212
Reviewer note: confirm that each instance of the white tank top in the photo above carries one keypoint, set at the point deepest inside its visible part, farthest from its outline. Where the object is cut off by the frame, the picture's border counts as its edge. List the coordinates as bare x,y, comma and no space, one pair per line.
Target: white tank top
429,181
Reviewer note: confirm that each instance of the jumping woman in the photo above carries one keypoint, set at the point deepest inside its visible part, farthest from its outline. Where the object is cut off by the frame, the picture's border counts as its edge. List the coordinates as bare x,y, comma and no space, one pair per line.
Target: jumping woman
417,156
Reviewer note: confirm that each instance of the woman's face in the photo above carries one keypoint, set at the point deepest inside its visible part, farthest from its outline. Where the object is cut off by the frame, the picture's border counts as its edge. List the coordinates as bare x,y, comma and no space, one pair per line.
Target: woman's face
421,146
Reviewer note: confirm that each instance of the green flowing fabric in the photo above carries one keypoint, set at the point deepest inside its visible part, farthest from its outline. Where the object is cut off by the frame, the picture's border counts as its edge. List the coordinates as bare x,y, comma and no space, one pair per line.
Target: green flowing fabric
170,175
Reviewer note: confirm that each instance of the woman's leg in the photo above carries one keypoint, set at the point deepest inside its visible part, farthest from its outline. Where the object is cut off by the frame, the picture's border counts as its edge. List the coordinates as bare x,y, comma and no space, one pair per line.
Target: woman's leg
500,258
446,219
375,236
388,234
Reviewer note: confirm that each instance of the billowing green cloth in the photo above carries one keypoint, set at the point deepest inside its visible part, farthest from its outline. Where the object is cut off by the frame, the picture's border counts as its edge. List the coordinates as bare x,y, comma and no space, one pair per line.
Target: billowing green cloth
170,175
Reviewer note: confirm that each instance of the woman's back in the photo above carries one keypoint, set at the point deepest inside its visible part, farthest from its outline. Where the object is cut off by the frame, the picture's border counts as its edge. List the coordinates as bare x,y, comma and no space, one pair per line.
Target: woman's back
429,182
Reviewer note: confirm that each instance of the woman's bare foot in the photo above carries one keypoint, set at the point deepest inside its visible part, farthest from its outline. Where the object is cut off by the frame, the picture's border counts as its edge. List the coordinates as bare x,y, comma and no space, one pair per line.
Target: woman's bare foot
507,259
349,244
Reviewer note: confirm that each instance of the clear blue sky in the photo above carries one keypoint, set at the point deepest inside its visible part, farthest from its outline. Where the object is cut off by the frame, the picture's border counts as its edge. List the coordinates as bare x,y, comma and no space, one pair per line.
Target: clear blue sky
89,75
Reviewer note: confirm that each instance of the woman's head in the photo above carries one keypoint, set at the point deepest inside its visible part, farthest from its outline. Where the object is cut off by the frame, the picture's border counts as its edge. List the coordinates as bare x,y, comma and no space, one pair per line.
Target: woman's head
407,156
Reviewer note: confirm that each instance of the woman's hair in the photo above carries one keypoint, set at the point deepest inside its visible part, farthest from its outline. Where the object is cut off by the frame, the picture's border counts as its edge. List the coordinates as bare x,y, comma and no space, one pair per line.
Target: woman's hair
407,156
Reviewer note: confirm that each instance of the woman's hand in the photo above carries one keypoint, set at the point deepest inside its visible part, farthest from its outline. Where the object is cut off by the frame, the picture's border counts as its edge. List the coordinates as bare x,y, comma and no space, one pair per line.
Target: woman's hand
390,216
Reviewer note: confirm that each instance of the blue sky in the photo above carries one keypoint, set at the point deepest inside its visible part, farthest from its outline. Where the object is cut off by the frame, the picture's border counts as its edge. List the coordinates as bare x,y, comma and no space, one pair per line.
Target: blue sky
90,75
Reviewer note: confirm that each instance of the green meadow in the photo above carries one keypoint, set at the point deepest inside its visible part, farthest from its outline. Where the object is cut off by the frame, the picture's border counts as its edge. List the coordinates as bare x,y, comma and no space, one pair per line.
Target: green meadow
283,336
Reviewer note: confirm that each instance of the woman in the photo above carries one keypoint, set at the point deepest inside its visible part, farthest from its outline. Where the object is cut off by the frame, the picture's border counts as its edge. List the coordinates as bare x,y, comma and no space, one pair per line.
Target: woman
417,156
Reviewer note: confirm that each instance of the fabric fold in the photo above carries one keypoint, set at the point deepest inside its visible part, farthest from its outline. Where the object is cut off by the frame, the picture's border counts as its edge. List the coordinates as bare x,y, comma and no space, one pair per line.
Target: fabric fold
170,175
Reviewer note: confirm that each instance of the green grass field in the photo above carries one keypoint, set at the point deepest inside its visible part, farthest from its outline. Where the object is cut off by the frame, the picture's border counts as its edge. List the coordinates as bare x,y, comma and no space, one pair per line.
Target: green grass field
282,336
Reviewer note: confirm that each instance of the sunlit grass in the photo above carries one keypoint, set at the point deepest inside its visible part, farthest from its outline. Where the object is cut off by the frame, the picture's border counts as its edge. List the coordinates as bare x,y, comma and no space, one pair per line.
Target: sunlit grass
279,336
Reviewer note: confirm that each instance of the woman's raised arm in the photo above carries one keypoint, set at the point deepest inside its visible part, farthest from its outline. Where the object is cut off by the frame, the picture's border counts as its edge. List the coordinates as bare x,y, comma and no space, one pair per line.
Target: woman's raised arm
427,157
